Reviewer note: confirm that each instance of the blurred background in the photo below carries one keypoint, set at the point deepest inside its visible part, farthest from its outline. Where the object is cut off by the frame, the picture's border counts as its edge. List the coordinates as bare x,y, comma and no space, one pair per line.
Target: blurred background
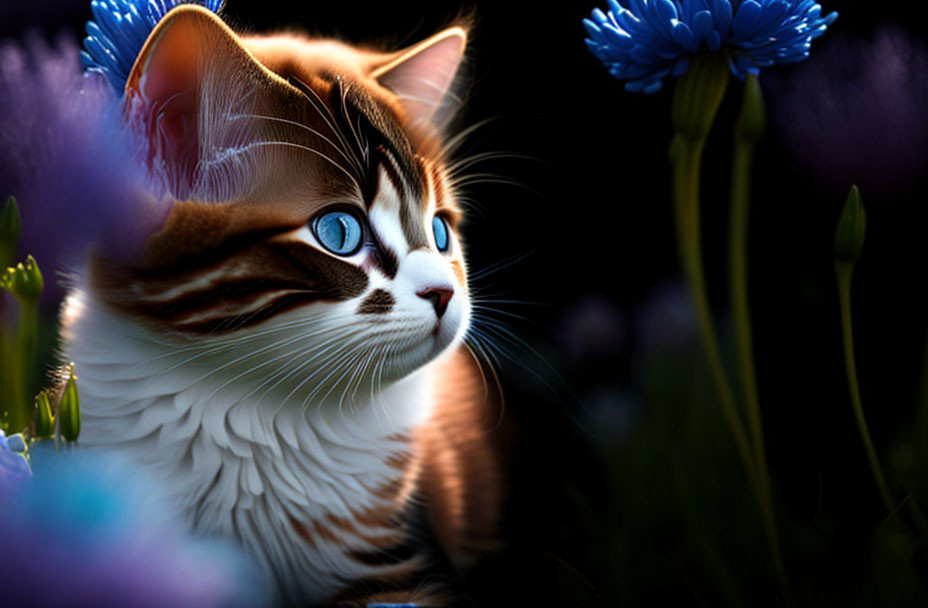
624,486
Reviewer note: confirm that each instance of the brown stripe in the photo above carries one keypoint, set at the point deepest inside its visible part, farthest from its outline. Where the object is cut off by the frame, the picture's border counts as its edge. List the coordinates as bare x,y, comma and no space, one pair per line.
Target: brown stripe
389,166
230,322
412,216
234,292
299,272
395,554
438,186
380,302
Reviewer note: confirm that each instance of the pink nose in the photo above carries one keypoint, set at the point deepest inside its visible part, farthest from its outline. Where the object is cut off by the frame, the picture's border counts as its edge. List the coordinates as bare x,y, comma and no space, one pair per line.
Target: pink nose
439,297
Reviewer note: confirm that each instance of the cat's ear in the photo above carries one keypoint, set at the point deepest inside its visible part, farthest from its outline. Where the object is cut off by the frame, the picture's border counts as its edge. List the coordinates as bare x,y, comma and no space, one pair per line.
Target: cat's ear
423,77
180,94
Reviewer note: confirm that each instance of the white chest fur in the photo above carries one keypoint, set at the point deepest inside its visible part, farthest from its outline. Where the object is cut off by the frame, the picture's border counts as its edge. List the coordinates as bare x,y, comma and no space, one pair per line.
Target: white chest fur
239,455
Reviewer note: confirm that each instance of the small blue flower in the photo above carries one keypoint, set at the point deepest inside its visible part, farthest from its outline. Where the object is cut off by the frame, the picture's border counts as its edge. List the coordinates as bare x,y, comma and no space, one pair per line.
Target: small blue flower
644,41
13,463
119,30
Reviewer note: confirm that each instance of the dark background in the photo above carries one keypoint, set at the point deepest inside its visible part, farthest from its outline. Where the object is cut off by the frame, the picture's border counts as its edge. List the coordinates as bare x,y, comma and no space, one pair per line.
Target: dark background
584,233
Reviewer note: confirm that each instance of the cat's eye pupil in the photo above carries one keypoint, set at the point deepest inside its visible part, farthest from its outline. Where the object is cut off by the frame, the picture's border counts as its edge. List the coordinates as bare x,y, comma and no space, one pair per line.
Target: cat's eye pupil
339,231
440,228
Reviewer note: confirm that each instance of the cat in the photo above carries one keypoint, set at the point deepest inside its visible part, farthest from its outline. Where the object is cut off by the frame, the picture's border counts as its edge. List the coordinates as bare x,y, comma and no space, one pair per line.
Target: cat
286,355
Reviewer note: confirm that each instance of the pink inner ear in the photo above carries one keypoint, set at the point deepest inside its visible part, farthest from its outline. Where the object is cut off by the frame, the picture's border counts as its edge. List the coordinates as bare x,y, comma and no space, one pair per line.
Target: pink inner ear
422,78
164,110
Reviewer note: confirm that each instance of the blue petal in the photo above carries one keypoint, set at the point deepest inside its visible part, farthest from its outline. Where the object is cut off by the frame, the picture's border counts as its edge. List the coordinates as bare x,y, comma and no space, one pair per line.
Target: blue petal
653,87
772,14
666,9
119,30
643,54
681,67
620,40
702,24
592,29
683,35
721,13
745,19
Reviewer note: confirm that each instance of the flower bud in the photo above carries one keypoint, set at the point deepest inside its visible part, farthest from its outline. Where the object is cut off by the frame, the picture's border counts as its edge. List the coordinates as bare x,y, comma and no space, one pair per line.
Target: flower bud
24,280
10,225
69,416
852,228
44,420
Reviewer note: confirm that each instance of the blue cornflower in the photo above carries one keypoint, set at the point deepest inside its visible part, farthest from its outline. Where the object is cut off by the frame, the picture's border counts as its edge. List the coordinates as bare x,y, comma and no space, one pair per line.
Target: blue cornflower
119,30
644,41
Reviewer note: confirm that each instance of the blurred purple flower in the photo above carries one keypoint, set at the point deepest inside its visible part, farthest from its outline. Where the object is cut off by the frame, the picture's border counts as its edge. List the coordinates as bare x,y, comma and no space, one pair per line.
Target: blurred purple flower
86,530
65,157
667,320
592,327
612,414
856,112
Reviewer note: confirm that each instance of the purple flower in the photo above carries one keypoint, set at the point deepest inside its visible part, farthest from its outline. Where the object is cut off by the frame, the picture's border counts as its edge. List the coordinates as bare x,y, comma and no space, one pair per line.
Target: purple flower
593,327
67,159
612,414
667,320
87,530
857,113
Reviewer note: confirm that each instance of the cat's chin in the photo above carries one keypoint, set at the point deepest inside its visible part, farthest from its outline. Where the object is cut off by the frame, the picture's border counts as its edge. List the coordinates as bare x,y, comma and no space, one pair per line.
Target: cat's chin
439,340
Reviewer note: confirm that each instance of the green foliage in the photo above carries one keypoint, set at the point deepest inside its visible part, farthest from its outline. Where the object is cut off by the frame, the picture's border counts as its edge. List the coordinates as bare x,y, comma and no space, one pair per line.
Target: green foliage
19,343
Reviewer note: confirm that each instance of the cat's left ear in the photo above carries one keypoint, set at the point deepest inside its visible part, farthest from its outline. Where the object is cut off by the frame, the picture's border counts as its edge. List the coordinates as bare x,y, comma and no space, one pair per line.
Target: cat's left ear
423,77
187,94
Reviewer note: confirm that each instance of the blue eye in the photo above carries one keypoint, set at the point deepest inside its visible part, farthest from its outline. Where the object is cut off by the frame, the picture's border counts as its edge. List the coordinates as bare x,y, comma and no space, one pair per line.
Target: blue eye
440,228
339,231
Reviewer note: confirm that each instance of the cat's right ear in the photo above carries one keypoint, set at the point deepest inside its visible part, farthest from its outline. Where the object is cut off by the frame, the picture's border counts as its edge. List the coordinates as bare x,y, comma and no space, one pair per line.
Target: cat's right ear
189,83
422,77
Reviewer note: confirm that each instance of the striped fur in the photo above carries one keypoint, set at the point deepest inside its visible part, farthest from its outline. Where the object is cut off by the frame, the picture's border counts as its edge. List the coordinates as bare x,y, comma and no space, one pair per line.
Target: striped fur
319,409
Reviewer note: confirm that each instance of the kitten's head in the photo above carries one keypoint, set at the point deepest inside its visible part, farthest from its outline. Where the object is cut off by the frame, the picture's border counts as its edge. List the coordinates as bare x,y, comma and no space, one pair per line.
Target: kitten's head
314,204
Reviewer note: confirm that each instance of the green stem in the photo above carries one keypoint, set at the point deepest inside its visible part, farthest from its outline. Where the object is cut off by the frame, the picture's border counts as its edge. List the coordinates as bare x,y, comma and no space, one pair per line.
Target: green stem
742,164
844,272
686,156
23,355
687,160
738,291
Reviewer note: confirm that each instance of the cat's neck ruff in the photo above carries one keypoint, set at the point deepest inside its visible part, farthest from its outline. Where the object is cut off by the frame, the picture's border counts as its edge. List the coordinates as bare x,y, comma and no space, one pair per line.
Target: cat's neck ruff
231,457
